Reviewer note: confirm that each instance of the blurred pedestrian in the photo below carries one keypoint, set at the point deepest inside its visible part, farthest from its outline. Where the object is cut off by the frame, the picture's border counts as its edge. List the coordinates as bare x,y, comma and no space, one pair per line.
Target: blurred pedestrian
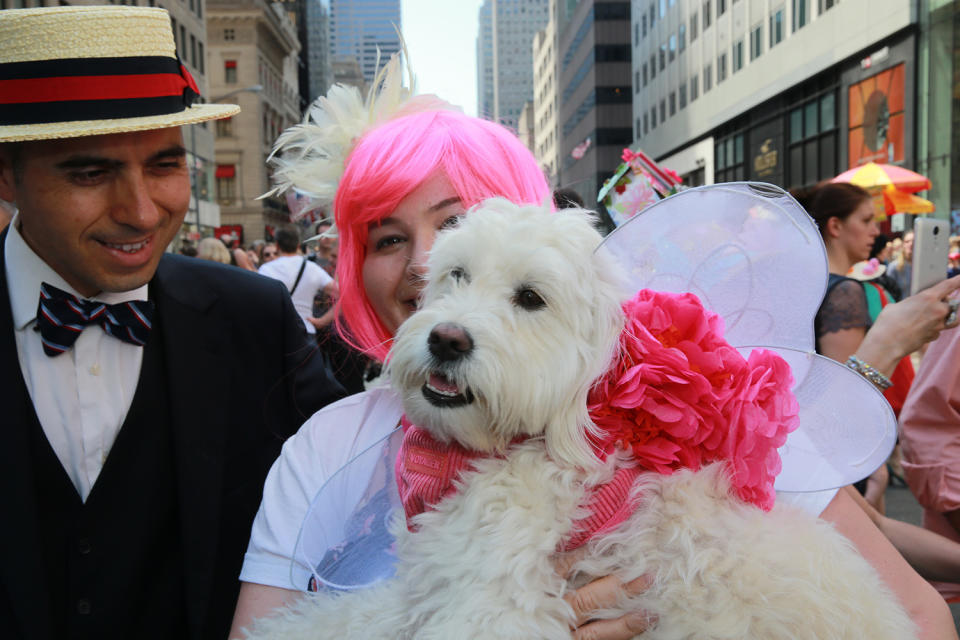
213,249
145,394
901,267
268,253
303,279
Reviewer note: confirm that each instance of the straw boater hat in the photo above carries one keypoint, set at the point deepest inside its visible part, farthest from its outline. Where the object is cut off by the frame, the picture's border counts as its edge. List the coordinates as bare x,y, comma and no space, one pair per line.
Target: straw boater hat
84,71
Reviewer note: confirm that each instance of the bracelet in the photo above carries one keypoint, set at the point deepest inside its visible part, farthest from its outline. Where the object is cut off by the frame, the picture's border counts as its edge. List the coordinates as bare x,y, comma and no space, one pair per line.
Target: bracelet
881,381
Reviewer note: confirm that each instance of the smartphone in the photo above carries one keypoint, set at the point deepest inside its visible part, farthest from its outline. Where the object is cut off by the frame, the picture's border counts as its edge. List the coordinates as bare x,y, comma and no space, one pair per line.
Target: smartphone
931,243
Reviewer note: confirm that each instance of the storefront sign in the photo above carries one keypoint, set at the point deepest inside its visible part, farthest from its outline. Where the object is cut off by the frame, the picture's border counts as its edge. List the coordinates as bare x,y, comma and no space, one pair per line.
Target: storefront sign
766,157
877,118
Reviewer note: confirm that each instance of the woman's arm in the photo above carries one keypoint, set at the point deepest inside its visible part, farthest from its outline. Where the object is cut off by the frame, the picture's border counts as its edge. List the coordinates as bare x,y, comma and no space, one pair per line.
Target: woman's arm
258,601
921,601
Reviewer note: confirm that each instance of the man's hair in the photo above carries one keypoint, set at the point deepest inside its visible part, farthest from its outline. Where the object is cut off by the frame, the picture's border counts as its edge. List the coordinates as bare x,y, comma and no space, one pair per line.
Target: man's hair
480,158
288,240
14,154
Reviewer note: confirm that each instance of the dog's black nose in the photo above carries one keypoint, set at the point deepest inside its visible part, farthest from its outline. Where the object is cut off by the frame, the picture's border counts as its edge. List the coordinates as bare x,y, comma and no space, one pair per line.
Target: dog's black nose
449,341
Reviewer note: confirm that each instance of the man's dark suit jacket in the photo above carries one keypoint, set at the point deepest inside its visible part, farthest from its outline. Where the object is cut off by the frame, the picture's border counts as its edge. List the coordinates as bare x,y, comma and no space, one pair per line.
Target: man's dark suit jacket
239,383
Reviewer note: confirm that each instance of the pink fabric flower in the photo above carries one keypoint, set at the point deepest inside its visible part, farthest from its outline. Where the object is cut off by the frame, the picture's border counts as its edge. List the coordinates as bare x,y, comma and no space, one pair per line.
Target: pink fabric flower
679,396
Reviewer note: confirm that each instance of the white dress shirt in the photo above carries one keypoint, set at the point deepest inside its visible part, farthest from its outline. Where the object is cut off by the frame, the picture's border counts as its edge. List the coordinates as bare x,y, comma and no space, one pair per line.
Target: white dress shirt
314,279
82,396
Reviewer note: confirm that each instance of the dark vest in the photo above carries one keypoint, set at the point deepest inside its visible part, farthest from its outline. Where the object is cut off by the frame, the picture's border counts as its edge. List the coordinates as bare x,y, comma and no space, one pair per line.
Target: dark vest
113,565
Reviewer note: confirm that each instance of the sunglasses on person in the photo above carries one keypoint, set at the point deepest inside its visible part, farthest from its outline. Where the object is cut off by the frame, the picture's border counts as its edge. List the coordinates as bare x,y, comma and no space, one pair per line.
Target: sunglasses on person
269,254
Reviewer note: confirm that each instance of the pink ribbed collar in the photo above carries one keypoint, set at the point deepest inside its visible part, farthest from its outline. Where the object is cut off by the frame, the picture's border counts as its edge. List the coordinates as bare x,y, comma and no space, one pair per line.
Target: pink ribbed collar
426,470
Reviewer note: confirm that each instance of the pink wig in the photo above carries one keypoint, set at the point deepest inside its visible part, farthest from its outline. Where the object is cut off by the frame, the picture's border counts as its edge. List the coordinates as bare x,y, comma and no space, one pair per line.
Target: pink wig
481,159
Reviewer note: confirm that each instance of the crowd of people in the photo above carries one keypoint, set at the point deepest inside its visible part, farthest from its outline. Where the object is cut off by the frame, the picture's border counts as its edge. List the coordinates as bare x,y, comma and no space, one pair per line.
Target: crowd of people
158,469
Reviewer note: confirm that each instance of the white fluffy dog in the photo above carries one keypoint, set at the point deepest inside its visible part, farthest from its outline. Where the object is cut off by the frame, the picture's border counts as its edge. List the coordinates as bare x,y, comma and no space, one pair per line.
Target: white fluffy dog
520,316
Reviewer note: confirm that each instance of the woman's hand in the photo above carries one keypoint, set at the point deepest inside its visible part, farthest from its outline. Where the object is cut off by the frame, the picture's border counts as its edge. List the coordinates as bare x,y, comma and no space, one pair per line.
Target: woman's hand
600,594
904,327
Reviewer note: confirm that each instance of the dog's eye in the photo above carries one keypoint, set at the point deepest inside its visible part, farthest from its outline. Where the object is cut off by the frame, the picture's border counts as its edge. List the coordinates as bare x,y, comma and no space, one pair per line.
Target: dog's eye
458,274
528,299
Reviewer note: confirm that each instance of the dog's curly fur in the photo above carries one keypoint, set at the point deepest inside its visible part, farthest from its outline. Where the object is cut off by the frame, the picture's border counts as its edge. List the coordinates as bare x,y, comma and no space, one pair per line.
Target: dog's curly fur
481,564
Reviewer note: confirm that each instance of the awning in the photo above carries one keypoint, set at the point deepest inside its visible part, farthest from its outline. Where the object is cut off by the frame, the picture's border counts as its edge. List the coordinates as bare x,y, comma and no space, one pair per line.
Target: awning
226,171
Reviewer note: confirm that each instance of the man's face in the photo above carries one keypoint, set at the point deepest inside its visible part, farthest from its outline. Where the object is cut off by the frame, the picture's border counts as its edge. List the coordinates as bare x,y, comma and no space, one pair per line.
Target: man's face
100,210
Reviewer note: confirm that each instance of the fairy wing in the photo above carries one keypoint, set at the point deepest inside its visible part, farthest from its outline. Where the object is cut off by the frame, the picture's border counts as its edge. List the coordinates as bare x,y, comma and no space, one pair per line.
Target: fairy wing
751,254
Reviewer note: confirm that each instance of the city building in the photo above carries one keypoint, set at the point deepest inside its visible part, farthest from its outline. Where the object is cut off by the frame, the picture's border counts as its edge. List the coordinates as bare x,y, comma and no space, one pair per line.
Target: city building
938,110
546,131
363,29
593,67
188,20
513,24
525,126
485,107
252,61
788,92
315,72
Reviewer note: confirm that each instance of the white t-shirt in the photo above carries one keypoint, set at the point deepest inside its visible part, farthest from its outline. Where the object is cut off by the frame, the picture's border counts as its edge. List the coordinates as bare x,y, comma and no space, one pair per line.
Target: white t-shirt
325,443
313,280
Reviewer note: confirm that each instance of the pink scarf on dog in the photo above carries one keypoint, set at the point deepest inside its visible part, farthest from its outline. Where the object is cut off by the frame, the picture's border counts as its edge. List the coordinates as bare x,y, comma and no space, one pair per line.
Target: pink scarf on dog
678,396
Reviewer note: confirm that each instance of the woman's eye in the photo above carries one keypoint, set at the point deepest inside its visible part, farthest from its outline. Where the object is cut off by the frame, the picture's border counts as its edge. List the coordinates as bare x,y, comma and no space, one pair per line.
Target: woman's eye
387,241
450,222
528,299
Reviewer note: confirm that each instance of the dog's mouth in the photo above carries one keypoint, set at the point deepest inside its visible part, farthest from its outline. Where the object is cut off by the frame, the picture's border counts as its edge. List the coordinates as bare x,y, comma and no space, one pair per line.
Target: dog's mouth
441,391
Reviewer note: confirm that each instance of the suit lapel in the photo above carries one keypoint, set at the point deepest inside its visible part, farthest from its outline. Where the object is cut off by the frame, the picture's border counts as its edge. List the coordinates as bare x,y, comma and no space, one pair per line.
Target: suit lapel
194,348
21,571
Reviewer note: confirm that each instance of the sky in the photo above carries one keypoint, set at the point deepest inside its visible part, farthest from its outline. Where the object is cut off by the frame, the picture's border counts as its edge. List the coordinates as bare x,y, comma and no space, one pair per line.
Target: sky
441,37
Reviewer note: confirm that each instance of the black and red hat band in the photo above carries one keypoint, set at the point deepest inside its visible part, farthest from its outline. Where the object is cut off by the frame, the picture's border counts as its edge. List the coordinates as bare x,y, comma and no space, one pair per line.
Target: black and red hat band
45,91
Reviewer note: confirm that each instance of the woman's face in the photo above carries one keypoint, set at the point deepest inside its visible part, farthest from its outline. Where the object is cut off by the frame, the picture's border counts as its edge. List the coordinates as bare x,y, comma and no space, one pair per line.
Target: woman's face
397,248
858,231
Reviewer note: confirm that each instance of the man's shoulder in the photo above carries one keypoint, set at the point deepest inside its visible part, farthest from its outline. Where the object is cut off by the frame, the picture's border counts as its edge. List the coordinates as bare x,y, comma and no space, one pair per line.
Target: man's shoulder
186,276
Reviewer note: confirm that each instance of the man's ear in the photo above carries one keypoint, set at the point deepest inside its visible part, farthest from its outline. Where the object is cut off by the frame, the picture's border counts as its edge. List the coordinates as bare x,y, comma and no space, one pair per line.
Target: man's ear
8,181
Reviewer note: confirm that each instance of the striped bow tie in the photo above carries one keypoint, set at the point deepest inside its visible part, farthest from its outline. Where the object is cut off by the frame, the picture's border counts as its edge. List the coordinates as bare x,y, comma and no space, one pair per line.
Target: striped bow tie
61,317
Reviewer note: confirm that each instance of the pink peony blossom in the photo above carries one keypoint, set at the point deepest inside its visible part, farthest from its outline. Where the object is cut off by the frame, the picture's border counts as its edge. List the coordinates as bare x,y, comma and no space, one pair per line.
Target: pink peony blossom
679,396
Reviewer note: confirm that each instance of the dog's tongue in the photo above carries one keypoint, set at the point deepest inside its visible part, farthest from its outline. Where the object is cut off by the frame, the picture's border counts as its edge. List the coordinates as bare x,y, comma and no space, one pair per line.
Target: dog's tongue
441,383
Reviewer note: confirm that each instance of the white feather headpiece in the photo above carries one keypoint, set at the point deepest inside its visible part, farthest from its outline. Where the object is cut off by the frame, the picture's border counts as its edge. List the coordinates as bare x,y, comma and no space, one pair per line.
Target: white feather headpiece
309,158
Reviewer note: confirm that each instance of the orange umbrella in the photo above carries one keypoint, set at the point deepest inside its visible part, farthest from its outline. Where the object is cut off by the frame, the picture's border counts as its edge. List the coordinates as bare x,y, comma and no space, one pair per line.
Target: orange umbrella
897,201
877,176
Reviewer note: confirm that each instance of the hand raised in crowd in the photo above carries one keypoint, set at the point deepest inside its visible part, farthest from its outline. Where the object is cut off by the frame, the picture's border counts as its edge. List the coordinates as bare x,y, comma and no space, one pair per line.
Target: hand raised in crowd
602,593
904,327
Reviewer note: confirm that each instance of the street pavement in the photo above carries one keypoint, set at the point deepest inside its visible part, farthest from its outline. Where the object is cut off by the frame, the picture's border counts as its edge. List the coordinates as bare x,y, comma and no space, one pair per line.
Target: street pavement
901,505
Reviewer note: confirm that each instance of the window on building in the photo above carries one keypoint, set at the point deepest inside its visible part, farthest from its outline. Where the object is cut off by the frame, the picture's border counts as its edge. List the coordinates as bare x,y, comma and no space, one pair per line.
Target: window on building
721,7
800,16
812,137
646,123
737,55
682,91
707,78
644,74
224,127
694,87
199,7
663,8
824,5
663,56
183,43
636,81
653,67
673,103
643,25
663,111
776,27
729,163
653,118
673,47
638,129
756,42
636,33
230,71
721,68
201,64
682,38
694,23
229,34
193,52
653,14
706,15
226,175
